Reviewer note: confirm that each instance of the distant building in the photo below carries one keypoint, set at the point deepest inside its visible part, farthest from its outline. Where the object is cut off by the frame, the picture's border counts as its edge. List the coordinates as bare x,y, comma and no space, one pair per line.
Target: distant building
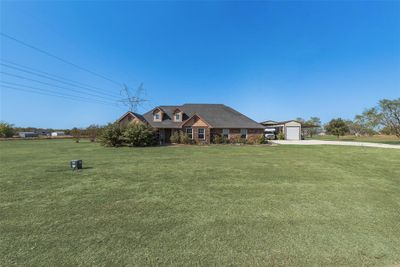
291,129
28,134
57,134
43,132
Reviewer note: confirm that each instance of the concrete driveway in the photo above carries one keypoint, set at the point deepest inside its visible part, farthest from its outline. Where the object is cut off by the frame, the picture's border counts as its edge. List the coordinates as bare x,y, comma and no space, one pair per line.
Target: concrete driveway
336,143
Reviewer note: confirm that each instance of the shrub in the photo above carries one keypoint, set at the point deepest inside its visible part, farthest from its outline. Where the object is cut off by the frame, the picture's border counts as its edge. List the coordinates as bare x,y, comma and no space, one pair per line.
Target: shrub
236,139
256,139
6,130
184,139
261,139
111,135
139,134
175,139
280,136
218,139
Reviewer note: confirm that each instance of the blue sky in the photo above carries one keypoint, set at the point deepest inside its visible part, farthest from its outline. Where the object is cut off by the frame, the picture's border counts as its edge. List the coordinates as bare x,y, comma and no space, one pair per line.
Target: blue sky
269,60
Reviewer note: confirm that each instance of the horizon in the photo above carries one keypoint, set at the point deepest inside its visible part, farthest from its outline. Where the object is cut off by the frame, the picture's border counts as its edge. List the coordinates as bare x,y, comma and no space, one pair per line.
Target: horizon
267,60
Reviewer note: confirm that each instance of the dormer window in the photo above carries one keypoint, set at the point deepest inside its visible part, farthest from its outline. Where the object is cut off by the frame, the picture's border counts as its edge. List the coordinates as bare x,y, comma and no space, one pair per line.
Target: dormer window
158,114
178,114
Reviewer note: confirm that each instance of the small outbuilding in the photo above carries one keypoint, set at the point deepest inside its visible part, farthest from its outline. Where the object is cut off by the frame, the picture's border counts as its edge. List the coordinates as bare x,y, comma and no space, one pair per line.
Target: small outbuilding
28,134
291,129
55,134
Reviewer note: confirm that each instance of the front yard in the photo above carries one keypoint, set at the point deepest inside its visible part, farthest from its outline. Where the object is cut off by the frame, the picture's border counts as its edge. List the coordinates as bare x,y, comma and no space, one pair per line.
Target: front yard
198,205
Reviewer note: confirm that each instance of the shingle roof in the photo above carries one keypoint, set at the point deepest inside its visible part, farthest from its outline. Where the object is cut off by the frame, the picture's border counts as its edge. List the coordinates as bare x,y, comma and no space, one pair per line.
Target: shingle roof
217,115
137,115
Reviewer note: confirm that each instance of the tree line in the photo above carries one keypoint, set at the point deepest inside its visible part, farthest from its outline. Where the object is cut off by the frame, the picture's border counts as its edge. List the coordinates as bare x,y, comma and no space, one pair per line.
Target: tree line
384,118
8,130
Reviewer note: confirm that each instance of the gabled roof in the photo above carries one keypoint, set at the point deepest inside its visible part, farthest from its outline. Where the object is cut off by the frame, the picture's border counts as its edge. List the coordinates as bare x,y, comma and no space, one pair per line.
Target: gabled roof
194,116
216,115
177,110
137,115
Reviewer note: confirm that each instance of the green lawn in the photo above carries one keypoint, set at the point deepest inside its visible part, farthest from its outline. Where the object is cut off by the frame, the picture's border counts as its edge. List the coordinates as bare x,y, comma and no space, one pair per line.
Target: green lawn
198,205
384,139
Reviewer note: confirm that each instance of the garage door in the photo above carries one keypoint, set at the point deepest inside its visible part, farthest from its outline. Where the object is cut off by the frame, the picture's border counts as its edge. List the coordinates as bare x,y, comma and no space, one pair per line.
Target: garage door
292,133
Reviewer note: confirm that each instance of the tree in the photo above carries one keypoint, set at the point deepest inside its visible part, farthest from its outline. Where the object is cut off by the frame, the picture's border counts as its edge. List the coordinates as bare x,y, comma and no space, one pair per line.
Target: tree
93,132
385,116
311,126
301,120
360,126
139,134
389,114
337,127
76,133
6,130
367,123
111,135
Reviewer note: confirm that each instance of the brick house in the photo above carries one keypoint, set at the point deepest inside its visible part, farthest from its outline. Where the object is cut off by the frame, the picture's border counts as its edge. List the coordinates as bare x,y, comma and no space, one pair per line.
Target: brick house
201,122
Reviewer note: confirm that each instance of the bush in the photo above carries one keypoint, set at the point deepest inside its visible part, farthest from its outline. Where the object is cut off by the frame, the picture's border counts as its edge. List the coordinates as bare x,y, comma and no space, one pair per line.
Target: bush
261,139
184,139
218,139
139,134
111,135
175,139
256,139
236,139
280,136
6,130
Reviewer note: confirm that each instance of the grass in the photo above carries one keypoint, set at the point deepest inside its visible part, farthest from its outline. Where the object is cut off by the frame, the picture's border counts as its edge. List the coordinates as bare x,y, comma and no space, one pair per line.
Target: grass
198,205
384,139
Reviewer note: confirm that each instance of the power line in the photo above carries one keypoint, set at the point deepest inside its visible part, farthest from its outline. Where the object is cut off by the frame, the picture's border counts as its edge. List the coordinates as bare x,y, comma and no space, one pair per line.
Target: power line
59,58
47,94
57,95
49,84
49,76
50,91
53,79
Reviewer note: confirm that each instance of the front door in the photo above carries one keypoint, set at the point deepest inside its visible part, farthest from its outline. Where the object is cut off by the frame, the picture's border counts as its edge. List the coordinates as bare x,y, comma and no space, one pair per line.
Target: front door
164,135
161,135
167,133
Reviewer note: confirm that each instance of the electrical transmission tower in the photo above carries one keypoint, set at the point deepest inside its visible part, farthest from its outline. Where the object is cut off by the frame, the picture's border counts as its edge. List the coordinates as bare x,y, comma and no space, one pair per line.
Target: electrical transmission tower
133,100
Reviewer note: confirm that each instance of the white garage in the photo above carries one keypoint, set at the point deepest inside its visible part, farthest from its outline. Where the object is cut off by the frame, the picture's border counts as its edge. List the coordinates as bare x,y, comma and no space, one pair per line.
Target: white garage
292,133
290,129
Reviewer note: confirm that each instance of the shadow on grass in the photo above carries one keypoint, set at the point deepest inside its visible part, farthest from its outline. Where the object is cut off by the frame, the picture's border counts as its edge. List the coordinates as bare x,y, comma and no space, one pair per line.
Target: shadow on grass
66,169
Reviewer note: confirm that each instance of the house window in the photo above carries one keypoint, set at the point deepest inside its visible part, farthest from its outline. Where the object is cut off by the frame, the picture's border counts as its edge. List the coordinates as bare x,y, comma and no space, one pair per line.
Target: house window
225,133
177,117
157,116
243,133
189,132
201,133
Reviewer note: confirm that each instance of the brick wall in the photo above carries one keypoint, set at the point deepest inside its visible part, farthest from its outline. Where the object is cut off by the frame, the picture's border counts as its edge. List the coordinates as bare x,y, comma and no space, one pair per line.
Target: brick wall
235,132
